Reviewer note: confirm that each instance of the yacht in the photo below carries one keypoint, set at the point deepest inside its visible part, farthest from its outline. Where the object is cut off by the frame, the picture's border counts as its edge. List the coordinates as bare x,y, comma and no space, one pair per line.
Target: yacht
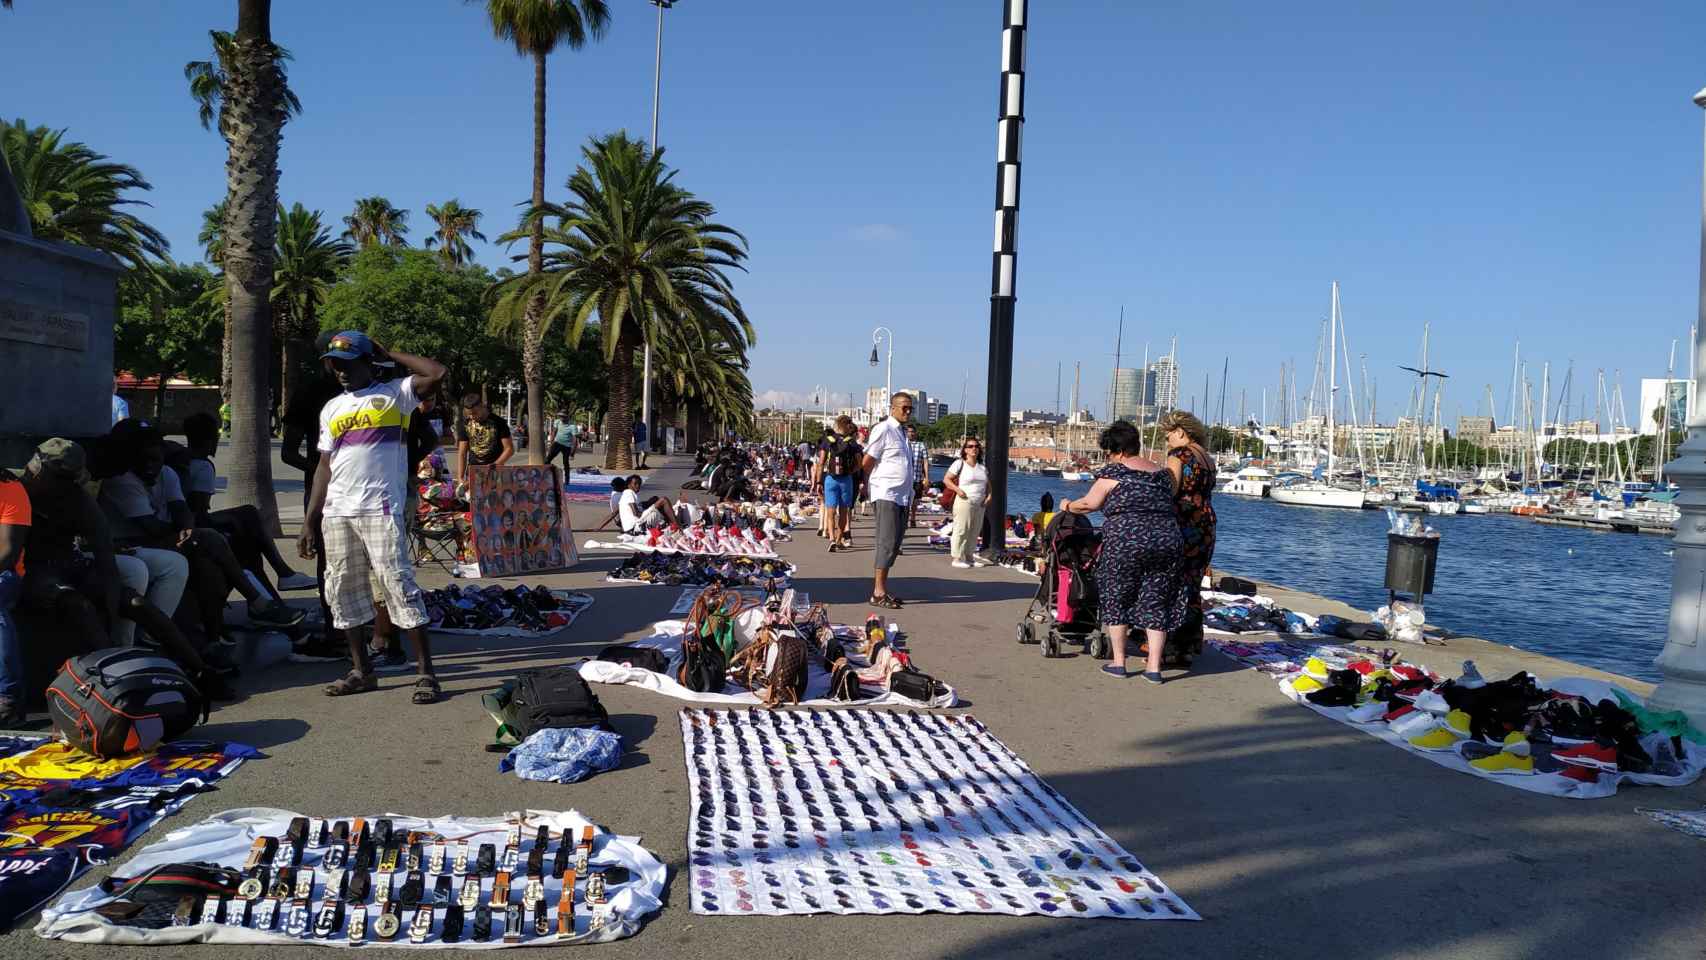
1322,493
1249,482
1076,476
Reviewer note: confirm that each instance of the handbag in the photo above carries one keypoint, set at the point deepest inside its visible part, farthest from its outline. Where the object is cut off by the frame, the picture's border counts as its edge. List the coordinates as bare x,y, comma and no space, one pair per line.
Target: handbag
915,685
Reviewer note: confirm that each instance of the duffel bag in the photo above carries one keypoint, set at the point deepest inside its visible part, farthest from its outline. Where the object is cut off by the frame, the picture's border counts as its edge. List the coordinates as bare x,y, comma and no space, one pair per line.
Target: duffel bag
122,700
552,697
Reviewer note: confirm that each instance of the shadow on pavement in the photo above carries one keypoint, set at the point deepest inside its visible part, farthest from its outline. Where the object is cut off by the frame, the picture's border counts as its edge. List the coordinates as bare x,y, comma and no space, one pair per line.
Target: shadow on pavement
259,734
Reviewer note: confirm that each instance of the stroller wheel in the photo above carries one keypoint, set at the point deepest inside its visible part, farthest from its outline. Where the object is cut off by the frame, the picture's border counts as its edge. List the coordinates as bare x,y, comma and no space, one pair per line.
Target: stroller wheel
1097,646
1026,632
1051,644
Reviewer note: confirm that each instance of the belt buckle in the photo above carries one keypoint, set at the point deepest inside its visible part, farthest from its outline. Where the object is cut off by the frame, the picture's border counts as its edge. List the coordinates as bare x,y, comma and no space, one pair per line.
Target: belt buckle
357,924
336,880
388,859
541,921
296,921
583,850
500,889
330,921
566,906
486,862
266,914
261,852
513,837
441,891
436,859
511,858
357,832
283,883
595,887
482,923
534,892
255,883
304,883
386,925
360,883
413,890
415,857
382,887
382,831
460,865
297,833
470,893
512,924
452,929
337,855
237,913
422,924
317,833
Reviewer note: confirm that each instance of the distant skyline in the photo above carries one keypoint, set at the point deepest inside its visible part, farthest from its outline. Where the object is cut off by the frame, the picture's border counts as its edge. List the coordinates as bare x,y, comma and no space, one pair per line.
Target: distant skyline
1528,174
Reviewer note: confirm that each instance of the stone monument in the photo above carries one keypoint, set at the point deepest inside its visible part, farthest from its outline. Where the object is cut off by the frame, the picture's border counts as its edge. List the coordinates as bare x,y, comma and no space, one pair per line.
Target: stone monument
58,303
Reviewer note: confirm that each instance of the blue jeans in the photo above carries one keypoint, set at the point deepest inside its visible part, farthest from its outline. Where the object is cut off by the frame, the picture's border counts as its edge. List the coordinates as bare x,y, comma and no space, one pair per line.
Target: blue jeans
11,646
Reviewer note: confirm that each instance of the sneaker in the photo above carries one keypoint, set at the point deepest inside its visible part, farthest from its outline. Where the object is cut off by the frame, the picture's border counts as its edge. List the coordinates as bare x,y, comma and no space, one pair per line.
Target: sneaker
1593,755
981,562
1305,684
961,565
1471,677
1316,667
1454,730
1432,702
275,614
1515,758
389,661
297,581
1370,712
11,713
318,648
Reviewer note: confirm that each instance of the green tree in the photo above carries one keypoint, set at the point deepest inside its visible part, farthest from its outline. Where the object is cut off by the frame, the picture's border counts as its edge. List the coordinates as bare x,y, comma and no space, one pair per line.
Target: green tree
375,220
576,380
309,261
211,236
164,325
75,195
404,297
455,223
642,255
253,111
536,28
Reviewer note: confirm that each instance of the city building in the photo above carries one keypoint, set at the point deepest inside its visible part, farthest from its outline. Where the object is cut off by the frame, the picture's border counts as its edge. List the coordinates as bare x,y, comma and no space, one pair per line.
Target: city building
1034,416
1475,430
1164,378
930,411
1132,390
1661,399
877,402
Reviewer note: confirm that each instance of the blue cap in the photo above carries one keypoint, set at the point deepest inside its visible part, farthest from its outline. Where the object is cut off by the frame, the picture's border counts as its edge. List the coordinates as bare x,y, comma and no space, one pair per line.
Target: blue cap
349,345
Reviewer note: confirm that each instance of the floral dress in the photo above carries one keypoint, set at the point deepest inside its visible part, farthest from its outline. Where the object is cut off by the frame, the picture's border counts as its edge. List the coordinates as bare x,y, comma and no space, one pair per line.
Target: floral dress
1137,574
1196,515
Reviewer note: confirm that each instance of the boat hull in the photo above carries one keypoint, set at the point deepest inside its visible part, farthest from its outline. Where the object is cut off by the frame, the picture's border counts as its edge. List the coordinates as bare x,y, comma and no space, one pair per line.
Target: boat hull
1246,488
1317,496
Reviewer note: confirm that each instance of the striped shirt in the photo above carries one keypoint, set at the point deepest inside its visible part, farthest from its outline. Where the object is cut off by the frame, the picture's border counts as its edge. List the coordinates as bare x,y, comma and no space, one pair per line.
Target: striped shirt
362,431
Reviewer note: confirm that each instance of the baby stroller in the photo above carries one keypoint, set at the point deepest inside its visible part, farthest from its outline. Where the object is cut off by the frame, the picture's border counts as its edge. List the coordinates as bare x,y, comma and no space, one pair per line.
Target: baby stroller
1064,609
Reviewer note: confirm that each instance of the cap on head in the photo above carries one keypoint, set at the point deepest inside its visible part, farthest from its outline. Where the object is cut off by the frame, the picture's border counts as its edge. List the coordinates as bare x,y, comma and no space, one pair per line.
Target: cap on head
349,345
61,455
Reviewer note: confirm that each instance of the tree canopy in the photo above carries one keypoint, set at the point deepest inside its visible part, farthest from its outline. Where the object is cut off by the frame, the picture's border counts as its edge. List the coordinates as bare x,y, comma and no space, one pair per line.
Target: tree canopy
76,195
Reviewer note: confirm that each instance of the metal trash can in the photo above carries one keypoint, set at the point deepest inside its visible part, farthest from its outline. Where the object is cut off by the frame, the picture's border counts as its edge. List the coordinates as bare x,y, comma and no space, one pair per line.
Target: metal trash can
1410,564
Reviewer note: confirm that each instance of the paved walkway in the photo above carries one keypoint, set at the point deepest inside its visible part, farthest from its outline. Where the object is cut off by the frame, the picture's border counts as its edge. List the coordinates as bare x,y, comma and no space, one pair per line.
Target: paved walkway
1292,835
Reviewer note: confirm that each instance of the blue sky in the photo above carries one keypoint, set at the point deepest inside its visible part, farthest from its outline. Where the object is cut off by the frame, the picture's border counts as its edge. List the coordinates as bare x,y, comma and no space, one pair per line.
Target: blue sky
1528,172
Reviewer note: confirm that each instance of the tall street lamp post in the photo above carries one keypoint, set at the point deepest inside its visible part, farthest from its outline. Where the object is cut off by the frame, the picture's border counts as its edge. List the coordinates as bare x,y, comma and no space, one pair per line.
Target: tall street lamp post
877,338
657,92
1683,660
1010,128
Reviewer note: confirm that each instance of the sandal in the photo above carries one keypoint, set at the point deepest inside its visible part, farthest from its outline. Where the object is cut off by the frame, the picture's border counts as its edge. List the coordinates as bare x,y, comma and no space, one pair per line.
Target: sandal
426,690
352,682
885,601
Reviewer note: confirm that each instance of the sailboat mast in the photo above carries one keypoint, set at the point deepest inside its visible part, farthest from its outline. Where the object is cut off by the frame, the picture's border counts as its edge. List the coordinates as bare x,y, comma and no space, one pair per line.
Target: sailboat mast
1332,374
1077,368
1119,339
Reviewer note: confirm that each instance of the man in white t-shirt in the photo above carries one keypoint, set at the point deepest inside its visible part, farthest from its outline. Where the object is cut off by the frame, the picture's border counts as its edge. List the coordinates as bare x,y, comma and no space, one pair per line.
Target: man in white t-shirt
890,473
638,516
359,497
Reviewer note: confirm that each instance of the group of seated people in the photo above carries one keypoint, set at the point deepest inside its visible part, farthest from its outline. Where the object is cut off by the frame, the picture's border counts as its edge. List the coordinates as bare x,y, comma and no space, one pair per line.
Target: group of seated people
97,542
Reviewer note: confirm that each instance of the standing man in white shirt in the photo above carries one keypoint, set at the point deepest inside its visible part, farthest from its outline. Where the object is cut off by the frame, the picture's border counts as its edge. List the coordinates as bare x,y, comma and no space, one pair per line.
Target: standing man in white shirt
890,473
358,498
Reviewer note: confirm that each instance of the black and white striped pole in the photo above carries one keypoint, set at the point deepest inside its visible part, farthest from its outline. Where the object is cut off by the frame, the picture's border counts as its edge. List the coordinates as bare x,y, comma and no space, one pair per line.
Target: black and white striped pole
1010,128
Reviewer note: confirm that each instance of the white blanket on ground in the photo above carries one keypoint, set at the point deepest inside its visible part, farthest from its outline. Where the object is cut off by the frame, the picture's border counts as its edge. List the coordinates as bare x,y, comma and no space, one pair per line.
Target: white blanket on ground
666,637
225,839
1399,732
639,546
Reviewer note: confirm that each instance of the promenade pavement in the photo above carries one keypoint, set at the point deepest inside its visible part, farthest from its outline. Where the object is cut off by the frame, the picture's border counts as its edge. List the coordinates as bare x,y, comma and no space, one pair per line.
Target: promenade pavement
1292,835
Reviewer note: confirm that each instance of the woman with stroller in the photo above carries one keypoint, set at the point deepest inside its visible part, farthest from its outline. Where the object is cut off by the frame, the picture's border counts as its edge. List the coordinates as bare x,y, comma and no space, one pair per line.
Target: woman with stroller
1138,573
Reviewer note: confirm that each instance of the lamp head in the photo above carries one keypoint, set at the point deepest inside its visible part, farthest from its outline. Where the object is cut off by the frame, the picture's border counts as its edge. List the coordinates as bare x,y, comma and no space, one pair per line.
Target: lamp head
874,360
1700,98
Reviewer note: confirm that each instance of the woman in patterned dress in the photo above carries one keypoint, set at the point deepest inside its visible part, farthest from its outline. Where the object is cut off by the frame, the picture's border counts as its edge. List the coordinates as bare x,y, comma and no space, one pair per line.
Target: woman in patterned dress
1138,573
1193,472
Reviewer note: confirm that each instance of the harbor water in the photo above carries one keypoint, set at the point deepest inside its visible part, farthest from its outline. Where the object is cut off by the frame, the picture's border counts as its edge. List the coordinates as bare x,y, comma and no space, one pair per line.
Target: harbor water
1601,599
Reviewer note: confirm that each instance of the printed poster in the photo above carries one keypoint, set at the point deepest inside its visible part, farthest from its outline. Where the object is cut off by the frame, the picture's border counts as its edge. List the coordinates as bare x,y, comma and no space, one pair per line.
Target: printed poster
519,521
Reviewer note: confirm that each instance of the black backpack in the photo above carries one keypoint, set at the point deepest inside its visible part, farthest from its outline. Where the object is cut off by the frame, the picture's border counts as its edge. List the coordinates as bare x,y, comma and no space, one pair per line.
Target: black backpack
843,457
552,697
122,700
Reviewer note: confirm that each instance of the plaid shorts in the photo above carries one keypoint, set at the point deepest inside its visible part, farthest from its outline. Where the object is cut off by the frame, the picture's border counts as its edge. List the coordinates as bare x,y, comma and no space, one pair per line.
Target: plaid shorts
368,557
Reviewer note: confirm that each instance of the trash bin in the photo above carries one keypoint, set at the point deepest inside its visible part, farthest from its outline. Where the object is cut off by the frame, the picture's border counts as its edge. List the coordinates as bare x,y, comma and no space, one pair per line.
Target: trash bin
1410,564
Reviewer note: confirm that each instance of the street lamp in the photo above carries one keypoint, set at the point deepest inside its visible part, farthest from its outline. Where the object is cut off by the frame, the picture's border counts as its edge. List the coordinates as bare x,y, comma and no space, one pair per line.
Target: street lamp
1683,660
657,92
876,338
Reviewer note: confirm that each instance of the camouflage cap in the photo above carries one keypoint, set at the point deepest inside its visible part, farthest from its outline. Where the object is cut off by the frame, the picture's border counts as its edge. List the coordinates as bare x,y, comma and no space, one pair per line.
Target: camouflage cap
62,455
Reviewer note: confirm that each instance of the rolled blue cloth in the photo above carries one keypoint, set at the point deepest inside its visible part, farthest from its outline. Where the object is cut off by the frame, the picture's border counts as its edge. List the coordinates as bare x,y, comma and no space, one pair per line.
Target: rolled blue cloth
564,755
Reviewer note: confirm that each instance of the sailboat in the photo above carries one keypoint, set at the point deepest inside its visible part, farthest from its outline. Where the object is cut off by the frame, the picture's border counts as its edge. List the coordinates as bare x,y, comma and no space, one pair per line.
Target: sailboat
1071,473
1322,492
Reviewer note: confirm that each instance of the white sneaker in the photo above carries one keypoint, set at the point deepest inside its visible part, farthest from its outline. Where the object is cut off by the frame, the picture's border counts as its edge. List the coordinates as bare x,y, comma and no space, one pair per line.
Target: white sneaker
961,565
981,562
297,581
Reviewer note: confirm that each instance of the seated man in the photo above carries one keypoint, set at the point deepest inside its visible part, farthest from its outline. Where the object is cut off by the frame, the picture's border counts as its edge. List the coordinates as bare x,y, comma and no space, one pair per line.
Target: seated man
83,596
637,516
148,512
242,526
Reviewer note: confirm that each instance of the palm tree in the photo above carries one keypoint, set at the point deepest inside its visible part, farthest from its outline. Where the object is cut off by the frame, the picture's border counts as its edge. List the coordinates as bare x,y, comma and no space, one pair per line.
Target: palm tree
75,195
536,27
454,223
252,114
640,253
309,262
375,220
211,236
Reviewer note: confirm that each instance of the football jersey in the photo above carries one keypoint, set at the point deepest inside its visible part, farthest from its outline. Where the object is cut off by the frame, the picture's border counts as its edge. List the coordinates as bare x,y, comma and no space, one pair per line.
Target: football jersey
61,761
31,876
182,762
98,834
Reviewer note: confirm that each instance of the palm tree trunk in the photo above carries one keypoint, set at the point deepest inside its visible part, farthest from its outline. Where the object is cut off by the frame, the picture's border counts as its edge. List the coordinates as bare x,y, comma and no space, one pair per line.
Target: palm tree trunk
254,101
225,353
532,355
619,423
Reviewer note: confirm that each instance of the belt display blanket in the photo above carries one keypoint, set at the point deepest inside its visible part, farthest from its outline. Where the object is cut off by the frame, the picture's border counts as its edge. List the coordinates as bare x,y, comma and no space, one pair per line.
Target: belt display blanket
482,614
883,811
1286,660
637,544
226,839
666,637
674,569
63,811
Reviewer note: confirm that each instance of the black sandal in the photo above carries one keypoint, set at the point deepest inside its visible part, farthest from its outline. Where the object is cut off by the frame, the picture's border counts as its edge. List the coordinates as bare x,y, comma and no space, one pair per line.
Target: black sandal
426,690
352,682
885,601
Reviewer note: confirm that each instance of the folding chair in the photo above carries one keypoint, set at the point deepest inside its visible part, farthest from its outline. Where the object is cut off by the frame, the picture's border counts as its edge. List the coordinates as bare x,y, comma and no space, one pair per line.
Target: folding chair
437,536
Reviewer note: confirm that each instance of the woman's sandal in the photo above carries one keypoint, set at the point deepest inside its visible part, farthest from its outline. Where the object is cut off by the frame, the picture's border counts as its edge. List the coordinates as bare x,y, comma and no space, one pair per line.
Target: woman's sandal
351,682
426,690
885,601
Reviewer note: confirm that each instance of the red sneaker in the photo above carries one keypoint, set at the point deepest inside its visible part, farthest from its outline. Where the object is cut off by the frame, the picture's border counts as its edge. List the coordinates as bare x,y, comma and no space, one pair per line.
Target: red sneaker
1593,755
1364,667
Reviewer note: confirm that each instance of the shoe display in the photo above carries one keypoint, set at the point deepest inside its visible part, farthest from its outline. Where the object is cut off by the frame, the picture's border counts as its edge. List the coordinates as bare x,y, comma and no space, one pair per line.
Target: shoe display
1373,711
1471,678
1432,702
1315,667
1305,684
1593,755
1515,758
1446,736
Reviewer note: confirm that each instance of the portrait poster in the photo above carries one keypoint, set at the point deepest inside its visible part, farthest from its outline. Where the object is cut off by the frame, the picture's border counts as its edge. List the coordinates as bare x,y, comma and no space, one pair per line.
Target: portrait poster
520,522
